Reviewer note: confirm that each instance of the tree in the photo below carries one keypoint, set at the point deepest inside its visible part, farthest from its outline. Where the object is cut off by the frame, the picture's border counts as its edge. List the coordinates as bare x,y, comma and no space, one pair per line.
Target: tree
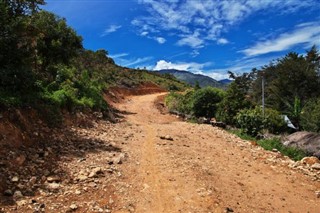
206,101
55,43
236,97
289,83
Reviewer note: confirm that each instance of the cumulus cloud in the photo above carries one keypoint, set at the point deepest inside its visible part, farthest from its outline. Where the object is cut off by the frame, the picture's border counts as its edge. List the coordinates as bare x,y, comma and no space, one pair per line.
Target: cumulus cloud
196,23
307,33
111,29
192,66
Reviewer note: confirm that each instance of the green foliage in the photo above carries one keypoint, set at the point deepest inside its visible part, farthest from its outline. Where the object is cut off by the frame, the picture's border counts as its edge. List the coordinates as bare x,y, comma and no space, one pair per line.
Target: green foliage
201,102
273,143
310,116
289,82
205,101
274,121
236,98
293,153
250,121
182,103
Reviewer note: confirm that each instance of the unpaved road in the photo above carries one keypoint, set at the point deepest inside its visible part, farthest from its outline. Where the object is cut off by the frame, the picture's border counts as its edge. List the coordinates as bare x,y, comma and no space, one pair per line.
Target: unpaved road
204,169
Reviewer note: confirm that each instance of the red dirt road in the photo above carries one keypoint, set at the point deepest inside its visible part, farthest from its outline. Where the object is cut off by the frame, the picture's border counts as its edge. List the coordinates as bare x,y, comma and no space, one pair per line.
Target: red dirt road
205,169
127,166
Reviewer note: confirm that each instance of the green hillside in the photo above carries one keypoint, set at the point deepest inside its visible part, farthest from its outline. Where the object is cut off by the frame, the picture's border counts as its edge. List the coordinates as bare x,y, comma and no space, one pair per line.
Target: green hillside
43,62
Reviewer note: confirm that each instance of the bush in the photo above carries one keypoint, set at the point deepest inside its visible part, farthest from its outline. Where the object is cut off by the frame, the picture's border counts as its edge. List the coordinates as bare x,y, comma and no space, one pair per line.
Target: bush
250,121
205,101
274,121
181,103
310,116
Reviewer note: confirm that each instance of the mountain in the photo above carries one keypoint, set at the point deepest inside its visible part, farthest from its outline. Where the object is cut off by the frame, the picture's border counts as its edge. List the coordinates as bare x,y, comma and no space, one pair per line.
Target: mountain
192,78
225,81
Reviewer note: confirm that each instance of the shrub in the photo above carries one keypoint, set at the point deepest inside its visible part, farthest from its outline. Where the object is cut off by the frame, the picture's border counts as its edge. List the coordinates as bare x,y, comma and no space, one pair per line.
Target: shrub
310,116
274,121
251,121
181,103
206,100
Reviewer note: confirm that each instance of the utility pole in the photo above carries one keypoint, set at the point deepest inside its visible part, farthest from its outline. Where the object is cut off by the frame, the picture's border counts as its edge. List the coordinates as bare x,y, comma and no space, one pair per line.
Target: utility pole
262,90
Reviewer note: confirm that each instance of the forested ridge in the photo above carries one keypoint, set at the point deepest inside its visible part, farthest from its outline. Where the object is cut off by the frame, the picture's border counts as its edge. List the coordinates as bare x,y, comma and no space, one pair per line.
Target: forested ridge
43,62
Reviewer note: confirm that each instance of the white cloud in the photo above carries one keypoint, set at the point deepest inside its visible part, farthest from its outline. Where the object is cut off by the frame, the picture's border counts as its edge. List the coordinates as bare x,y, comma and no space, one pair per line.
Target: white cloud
160,40
307,33
191,40
218,76
191,66
222,41
111,29
144,33
136,61
130,62
119,55
210,17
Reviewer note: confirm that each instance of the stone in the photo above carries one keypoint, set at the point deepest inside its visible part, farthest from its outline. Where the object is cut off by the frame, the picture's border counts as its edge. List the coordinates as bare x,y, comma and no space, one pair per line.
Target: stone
8,192
17,194
167,137
33,180
53,185
119,159
81,177
73,207
96,171
310,160
51,179
15,179
316,166
22,202
20,160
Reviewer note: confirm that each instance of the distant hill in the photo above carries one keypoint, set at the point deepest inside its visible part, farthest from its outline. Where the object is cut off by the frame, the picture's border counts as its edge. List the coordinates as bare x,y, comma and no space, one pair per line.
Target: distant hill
192,78
225,81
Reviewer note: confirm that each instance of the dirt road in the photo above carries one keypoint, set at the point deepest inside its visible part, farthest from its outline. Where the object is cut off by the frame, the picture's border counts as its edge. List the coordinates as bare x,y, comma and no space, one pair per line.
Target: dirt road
204,169
153,163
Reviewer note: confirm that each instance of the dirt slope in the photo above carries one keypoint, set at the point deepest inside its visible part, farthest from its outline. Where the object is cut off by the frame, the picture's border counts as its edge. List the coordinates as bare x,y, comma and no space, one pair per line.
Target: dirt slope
152,162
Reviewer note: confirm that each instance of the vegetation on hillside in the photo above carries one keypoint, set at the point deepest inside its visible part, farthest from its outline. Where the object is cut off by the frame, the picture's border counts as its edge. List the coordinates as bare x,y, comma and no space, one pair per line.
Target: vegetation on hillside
43,62
292,88
196,102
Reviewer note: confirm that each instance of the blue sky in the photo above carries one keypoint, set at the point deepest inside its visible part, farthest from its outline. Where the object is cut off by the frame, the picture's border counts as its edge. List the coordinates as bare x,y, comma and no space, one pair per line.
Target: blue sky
201,36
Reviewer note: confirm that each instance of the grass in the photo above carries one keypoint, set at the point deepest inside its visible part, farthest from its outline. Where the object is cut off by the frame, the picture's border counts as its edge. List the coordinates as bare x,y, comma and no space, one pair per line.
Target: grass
273,143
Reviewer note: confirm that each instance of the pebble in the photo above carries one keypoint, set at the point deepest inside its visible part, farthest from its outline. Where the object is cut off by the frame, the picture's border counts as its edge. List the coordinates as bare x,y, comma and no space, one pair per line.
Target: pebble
53,179
8,192
15,179
73,207
17,194
316,166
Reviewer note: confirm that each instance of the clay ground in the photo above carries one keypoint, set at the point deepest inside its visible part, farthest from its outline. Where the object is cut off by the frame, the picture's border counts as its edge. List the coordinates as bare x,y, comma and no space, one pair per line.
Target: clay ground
199,169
